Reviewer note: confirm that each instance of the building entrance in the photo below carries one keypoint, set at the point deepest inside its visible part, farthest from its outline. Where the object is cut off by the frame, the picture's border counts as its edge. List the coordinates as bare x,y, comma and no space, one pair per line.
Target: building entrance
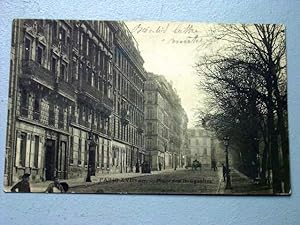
50,159
92,159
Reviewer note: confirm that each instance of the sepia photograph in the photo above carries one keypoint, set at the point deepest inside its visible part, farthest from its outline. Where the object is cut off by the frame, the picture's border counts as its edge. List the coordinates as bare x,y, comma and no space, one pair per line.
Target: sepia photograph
147,107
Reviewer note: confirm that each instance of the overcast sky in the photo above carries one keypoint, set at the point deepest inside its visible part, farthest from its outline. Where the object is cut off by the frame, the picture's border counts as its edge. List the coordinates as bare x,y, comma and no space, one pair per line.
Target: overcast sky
172,49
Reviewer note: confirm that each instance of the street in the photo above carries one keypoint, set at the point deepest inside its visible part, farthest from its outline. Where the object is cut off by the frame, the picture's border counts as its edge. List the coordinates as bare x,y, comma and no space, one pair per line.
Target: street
205,181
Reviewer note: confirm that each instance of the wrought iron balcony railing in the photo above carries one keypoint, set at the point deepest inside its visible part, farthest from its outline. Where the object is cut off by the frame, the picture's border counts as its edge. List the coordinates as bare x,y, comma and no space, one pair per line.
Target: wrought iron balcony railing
36,72
24,111
36,115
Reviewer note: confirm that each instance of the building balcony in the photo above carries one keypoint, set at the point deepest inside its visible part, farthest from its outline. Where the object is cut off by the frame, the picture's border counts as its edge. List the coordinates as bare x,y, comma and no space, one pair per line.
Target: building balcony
33,72
124,117
36,115
51,121
106,104
61,124
96,97
55,41
140,127
65,87
23,111
76,48
88,92
140,130
84,123
65,49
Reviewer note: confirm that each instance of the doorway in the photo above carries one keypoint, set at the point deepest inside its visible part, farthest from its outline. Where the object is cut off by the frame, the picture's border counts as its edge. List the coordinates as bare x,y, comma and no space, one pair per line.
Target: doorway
50,159
92,159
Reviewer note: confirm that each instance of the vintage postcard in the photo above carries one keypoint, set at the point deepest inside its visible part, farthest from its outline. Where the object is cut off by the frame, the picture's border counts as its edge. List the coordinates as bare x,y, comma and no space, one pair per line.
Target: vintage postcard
147,108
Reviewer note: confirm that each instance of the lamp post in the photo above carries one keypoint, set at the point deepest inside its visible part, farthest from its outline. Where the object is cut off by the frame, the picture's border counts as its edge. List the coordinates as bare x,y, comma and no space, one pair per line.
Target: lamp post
91,144
256,139
165,146
172,153
228,180
148,170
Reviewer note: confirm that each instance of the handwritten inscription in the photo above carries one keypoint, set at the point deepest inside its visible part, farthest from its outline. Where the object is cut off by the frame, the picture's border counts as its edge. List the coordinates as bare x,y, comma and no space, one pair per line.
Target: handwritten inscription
171,34
165,28
161,29
187,40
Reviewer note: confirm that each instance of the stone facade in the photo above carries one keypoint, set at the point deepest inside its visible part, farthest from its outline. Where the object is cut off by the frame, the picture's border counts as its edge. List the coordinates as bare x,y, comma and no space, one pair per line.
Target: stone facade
71,84
165,122
201,146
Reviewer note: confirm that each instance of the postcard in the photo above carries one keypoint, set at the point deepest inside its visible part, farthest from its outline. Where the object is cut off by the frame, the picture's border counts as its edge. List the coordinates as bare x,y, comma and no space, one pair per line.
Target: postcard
144,107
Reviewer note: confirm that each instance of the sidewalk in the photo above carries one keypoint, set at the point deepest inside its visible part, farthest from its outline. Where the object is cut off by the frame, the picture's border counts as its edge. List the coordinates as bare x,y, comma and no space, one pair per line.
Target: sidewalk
79,182
241,185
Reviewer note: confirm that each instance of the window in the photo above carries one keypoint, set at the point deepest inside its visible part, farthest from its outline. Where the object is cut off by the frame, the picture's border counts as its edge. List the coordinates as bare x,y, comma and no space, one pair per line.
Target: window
79,152
85,153
71,149
150,113
98,155
93,79
53,65
62,156
36,151
64,72
27,49
61,118
23,103
102,155
36,109
23,149
62,35
54,32
88,47
51,115
150,128
107,152
39,57
205,151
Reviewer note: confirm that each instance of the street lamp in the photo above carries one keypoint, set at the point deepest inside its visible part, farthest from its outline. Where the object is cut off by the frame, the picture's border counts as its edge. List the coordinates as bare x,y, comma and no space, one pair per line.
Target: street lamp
256,139
228,180
165,146
91,144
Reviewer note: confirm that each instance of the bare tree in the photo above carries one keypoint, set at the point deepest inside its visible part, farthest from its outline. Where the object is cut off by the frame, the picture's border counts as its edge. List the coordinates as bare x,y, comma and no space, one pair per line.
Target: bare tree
247,81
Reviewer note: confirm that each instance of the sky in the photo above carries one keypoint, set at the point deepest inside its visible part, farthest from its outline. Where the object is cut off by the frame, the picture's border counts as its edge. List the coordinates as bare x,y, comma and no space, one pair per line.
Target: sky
171,50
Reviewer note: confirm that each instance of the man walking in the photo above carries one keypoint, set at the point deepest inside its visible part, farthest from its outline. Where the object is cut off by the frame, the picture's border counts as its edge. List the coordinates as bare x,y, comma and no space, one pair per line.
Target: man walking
23,185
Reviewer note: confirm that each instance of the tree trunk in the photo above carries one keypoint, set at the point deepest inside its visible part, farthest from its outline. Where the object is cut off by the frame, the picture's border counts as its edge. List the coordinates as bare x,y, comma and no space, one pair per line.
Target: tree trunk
264,162
276,181
284,142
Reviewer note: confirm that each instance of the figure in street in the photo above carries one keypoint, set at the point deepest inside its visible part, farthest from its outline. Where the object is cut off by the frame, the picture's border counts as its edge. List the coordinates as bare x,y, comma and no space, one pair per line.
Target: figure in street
214,165
224,171
57,187
22,186
137,167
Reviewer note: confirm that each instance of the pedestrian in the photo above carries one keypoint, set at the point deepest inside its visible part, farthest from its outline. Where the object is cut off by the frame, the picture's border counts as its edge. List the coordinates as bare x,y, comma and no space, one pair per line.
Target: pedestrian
57,187
213,165
159,166
224,171
137,167
22,186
